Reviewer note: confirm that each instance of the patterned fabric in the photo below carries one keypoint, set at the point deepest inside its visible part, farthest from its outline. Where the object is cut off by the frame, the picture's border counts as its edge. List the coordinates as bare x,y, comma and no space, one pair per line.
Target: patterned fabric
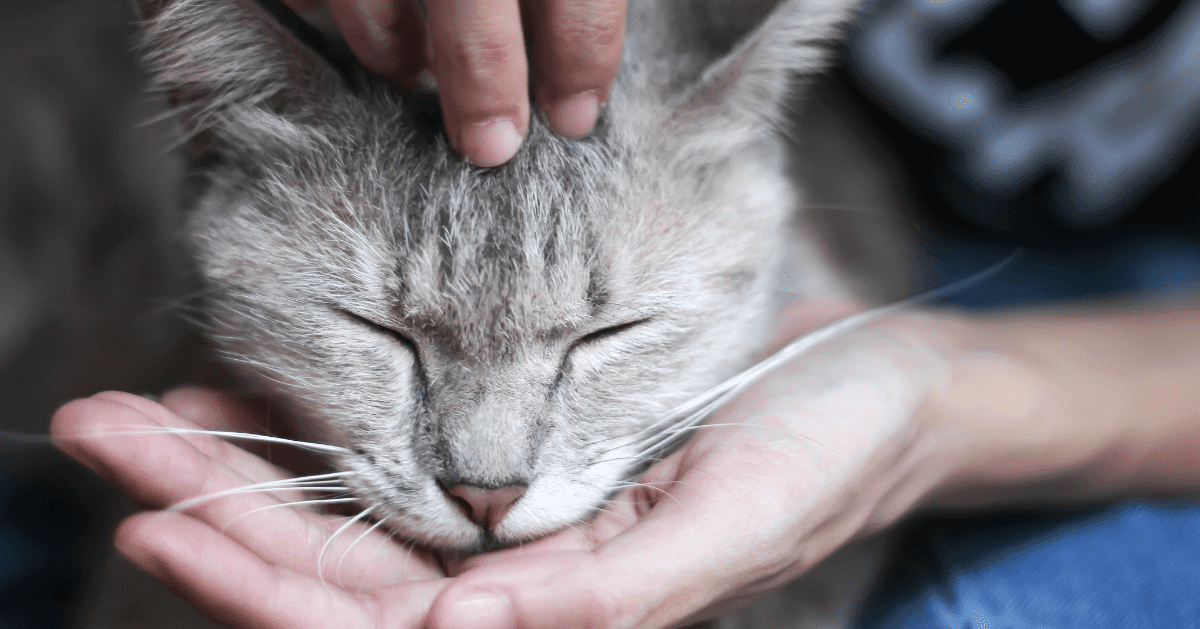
1079,108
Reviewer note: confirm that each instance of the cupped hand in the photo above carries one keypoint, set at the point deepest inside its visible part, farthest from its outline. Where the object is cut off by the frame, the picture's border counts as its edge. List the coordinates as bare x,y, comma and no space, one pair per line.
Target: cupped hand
826,449
239,559
477,51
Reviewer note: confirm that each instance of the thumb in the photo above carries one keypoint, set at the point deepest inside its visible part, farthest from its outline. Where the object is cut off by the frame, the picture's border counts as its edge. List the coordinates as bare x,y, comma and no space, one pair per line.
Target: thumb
714,545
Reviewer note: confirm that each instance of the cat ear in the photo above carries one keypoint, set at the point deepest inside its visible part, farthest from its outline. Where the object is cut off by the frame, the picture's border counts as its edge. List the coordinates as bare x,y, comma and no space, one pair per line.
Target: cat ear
743,96
235,76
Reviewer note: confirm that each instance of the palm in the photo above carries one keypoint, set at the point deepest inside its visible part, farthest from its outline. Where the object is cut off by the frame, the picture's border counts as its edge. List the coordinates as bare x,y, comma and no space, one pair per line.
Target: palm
238,558
783,476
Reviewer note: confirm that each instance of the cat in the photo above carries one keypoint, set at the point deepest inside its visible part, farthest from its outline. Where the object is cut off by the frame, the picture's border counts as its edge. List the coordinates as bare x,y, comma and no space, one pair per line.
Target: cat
492,350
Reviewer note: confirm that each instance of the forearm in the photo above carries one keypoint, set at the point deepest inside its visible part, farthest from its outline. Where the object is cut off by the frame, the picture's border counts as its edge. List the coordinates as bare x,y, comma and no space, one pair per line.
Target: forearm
1069,406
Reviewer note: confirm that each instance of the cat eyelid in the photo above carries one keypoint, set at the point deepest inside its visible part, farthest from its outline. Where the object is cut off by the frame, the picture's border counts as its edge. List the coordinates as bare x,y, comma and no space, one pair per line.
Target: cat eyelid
379,327
592,338
607,332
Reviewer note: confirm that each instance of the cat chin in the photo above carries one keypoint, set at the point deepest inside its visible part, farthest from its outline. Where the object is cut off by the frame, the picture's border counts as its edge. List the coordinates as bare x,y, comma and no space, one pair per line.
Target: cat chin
549,506
460,536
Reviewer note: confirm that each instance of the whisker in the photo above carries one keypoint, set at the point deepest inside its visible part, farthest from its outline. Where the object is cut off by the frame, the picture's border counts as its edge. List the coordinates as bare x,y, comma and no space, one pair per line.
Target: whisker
627,485
626,522
22,439
785,431
301,483
337,572
669,432
296,503
639,458
407,558
149,430
187,504
325,547
383,539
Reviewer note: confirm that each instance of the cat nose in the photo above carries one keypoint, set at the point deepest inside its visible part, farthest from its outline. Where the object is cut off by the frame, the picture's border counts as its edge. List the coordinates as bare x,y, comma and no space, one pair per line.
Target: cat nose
486,506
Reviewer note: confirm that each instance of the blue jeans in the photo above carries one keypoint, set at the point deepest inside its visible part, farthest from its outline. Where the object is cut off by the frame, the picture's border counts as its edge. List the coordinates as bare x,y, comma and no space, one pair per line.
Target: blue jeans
1126,565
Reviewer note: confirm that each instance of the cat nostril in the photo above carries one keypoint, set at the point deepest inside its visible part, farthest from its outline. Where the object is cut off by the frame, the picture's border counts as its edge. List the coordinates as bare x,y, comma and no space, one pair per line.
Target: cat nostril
487,507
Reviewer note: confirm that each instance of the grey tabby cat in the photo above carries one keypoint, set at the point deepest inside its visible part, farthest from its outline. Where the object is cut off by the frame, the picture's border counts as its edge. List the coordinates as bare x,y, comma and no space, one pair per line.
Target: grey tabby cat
491,345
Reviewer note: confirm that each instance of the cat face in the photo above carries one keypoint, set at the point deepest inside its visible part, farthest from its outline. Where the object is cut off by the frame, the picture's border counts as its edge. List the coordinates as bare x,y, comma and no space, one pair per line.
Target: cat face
488,344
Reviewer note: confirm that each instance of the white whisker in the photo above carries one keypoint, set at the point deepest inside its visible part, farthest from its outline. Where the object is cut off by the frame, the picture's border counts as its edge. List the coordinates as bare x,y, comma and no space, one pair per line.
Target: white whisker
307,483
296,503
629,484
149,430
325,547
407,558
337,572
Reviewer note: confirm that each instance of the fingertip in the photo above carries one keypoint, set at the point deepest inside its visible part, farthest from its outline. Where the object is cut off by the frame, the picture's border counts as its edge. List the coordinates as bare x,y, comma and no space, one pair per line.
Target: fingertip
129,534
78,419
472,609
544,590
574,116
489,143
387,36
576,53
142,537
66,421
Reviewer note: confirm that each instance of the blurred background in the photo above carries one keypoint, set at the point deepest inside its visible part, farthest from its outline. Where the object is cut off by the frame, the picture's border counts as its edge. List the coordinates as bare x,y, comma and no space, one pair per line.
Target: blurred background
1065,127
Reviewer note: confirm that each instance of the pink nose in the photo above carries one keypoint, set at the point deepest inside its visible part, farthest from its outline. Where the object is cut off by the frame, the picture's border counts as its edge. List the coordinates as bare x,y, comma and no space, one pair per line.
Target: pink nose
487,507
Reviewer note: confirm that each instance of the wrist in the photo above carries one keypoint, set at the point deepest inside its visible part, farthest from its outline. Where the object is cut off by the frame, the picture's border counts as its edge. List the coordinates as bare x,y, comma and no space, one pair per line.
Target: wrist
995,425
1063,407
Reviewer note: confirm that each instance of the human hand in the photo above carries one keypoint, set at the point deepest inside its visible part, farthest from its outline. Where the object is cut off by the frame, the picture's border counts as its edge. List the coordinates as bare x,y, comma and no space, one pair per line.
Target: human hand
832,446
245,568
477,51
822,451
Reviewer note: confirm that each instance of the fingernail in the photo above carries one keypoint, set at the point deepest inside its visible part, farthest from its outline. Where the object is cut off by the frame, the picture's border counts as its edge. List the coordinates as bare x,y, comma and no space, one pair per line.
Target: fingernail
490,143
487,611
574,116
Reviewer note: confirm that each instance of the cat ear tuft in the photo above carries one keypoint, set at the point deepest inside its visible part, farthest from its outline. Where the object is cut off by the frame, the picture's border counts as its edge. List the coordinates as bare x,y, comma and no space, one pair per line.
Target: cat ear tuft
744,95
231,71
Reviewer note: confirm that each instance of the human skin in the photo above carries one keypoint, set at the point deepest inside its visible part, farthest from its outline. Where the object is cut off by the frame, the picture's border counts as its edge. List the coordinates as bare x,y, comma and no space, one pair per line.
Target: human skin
477,51
912,411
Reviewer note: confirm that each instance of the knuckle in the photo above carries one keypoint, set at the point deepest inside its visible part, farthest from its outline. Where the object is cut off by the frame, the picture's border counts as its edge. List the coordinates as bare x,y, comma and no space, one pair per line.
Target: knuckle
485,59
596,34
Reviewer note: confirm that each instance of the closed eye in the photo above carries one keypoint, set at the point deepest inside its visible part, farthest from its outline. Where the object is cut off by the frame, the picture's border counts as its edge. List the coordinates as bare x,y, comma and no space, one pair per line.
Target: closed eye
606,333
593,338
382,329
399,337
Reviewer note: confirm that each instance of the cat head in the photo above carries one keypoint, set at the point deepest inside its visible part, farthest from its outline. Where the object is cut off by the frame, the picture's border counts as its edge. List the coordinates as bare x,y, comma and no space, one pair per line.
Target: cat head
487,343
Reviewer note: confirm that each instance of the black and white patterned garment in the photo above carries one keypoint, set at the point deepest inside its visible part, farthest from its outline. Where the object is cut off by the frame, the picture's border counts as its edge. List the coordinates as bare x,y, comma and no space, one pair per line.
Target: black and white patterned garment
1069,126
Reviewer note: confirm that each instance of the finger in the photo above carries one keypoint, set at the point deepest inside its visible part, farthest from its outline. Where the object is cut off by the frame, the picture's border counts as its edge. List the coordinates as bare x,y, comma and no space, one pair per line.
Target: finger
165,469
576,53
120,436
479,60
573,538
213,409
387,36
223,410
237,587
706,548
618,515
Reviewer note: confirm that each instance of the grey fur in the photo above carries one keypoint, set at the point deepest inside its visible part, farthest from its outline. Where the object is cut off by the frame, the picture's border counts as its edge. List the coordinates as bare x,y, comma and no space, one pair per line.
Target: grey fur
444,321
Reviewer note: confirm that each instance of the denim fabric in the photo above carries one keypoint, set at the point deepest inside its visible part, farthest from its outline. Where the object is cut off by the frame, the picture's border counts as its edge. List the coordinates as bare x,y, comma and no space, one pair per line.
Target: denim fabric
1133,565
